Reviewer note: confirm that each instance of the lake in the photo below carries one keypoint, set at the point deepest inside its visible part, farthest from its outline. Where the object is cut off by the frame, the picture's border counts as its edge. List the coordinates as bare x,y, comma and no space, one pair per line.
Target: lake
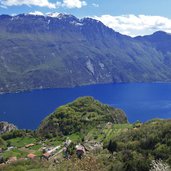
140,101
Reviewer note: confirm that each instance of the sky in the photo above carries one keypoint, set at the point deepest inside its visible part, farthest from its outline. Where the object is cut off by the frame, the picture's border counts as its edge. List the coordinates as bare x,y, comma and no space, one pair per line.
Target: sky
130,17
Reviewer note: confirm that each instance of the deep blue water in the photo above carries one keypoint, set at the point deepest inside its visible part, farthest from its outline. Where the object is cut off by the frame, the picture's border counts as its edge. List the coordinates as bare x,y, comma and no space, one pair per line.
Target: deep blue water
140,102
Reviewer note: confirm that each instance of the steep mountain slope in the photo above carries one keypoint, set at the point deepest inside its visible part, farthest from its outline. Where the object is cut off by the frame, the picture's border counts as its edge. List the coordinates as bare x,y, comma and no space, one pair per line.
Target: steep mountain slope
161,41
79,116
64,51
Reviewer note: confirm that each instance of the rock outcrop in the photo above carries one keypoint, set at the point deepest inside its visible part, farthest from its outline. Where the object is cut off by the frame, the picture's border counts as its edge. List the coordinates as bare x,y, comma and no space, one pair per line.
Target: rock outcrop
6,127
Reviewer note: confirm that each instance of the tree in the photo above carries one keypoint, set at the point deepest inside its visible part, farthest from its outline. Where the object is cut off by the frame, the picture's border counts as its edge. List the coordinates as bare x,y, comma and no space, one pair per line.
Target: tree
112,146
1,159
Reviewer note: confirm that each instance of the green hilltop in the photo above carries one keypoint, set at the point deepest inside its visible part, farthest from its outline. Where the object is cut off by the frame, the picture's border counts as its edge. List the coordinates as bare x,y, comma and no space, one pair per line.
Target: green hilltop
80,116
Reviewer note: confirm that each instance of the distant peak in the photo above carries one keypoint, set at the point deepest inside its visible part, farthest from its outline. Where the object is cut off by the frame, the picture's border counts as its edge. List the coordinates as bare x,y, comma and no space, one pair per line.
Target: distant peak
63,15
53,15
159,32
90,19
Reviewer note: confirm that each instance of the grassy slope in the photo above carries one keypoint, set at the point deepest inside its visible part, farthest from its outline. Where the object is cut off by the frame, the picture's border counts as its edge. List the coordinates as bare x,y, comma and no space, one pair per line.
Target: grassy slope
130,145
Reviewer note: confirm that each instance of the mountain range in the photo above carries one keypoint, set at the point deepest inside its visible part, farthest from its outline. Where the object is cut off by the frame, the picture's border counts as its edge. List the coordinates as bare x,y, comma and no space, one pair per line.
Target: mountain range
63,51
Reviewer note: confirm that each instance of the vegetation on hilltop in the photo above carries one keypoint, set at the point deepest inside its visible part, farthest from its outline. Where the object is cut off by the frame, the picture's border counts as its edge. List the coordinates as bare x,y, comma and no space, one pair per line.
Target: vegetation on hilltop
79,117
112,143
151,141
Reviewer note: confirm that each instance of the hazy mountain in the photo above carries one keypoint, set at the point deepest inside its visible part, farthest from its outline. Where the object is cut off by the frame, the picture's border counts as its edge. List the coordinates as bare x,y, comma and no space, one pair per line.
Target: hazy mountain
161,41
64,51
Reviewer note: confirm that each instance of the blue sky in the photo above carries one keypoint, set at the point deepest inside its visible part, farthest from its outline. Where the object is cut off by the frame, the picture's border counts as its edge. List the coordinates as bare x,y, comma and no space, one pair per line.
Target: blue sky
112,7
117,14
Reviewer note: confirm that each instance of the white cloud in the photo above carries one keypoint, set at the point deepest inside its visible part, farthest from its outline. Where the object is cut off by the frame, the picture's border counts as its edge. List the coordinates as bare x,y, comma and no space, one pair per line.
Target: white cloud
2,6
95,5
74,3
40,3
36,13
44,3
133,25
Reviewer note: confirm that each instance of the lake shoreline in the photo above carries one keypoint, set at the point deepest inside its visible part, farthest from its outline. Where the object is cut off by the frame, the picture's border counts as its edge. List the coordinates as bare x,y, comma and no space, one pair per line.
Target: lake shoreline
140,101
84,85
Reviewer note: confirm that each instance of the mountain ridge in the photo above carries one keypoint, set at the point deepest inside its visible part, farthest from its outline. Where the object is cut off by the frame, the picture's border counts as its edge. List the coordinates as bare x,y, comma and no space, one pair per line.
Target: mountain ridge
47,52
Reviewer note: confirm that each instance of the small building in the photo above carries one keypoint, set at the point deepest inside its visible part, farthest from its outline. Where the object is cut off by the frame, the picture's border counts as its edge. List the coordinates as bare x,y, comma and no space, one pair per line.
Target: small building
22,159
31,156
50,152
109,125
46,155
12,160
10,148
67,142
80,151
29,145
45,149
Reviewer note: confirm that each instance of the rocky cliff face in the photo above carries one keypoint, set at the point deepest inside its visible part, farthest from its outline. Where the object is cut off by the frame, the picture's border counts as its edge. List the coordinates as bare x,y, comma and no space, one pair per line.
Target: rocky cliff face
64,51
6,127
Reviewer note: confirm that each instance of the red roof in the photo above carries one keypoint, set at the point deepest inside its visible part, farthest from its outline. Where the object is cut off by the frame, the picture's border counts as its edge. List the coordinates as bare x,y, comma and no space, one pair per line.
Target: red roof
46,154
31,156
